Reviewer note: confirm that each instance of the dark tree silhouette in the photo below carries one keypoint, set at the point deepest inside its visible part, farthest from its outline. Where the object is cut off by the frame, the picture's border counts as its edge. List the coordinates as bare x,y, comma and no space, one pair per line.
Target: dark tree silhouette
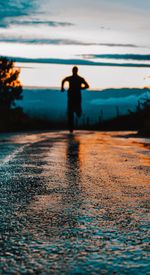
11,116
10,86
143,112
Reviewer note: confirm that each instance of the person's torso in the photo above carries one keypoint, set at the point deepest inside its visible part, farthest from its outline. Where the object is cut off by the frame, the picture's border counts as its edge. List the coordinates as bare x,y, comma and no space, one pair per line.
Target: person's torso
75,83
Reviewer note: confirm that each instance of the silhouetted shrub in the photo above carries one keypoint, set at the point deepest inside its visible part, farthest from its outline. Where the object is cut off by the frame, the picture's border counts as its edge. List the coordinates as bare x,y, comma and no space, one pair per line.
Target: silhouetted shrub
144,117
10,91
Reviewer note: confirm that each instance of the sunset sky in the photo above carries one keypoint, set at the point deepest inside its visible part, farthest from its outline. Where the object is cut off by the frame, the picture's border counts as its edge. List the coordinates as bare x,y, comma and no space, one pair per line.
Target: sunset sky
108,39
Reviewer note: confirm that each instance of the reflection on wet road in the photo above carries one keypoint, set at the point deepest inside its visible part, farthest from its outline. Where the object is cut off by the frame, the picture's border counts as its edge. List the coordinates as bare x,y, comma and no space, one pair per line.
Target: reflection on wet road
74,204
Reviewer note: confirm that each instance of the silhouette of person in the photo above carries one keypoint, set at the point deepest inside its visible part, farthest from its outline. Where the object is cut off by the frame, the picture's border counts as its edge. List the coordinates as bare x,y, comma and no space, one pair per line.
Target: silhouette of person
76,84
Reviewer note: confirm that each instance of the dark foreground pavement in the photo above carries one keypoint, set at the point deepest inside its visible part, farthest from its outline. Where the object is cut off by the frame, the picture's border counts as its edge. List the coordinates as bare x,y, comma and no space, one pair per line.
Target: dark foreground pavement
74,204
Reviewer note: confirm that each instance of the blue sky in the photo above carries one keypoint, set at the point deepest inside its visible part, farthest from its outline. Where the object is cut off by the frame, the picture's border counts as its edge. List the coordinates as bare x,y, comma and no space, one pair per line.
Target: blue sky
103,32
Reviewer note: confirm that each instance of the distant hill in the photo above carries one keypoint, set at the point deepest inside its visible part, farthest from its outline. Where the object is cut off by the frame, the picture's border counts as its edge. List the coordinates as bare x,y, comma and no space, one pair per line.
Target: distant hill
105,104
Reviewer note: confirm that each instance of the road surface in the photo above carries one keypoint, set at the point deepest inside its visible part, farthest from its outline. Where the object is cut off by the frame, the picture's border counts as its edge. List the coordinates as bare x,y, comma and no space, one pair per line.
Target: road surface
74,204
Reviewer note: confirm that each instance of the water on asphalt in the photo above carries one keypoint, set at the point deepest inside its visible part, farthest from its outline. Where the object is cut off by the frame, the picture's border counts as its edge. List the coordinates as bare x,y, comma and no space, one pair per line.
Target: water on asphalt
74,204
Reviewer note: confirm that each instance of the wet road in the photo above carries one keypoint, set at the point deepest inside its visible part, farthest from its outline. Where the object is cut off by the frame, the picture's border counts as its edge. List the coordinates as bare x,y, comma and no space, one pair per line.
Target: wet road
74,204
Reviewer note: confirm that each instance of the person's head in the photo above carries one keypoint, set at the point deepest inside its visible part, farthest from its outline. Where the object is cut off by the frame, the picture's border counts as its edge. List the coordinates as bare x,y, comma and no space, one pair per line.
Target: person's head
75,70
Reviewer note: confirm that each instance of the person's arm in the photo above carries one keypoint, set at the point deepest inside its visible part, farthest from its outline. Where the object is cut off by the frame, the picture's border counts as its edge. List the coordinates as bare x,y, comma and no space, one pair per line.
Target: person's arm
85,85
63,83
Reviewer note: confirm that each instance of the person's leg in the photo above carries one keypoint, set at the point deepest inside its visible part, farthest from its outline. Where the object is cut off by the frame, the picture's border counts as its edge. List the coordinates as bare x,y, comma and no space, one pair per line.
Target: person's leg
78,106
70,114
70,120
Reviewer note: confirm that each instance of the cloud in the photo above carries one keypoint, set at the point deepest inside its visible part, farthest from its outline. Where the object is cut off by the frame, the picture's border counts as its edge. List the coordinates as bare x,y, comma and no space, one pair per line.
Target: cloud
43,22
138,57
115,101
13,9
16,8
76,62
21,39
126,100
22,12
33,22
117,45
